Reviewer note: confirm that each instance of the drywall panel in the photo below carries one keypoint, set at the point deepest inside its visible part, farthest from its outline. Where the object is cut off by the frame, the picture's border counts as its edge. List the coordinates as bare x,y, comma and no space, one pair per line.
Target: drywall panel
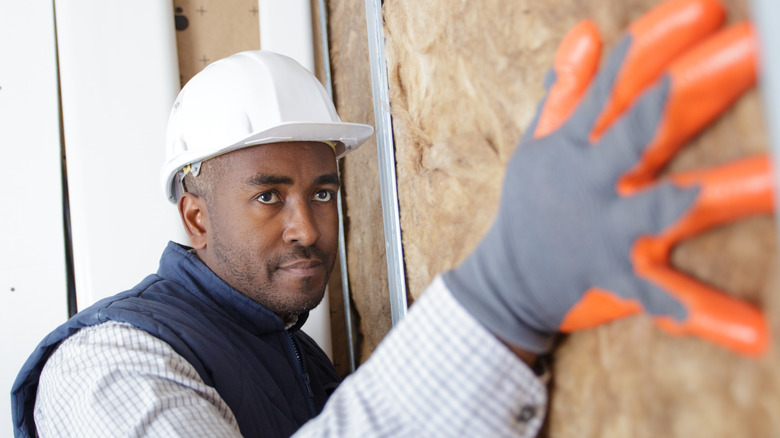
33,284
118,76
286,28
465,80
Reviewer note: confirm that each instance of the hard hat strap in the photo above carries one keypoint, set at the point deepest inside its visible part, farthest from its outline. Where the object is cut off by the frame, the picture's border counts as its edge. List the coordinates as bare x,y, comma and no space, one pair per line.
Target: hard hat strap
193,168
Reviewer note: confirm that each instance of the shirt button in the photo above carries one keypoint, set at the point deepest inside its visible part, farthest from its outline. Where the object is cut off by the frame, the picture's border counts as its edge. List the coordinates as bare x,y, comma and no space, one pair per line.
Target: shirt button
526,414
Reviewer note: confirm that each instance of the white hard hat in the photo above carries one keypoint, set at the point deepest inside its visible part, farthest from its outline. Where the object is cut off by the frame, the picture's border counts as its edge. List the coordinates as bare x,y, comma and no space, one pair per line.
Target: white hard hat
247,99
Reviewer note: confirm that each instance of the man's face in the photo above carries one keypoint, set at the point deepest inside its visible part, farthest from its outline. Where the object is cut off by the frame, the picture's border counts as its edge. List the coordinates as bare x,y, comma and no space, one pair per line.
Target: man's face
272,228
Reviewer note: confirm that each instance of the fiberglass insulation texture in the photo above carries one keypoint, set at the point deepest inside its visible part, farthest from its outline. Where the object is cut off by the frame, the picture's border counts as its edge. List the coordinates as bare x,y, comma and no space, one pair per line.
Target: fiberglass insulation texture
360,176
465,78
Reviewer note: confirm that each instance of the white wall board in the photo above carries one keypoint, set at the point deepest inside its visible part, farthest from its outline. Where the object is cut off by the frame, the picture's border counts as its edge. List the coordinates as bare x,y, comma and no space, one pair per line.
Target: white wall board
119,77
33,285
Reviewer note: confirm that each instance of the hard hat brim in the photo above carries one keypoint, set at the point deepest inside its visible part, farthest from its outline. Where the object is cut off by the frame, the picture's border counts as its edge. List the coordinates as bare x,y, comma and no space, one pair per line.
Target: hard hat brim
348,137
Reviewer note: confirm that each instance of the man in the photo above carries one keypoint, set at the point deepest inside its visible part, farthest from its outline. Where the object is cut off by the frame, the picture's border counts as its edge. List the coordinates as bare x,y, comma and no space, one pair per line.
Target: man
211,345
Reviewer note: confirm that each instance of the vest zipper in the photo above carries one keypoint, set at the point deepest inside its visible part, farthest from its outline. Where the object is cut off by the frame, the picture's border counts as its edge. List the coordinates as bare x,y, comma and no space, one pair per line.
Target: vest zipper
302,372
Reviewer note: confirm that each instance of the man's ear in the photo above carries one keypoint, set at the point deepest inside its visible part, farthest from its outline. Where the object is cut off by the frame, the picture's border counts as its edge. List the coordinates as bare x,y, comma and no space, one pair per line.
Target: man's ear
194,216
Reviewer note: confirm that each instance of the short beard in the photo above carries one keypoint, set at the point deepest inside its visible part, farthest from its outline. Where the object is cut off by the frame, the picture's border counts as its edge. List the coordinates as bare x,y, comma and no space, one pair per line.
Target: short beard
283,303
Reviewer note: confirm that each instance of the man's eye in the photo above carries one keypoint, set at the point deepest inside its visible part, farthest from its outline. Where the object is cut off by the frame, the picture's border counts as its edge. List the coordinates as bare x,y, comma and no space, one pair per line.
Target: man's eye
323,195
268,198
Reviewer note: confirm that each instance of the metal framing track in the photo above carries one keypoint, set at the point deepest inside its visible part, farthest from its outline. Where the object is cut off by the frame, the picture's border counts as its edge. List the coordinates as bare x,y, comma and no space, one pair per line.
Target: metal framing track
396,275
766,15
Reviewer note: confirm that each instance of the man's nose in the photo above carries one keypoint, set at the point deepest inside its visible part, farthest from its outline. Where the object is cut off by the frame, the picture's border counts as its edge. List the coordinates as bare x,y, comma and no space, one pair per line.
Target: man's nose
301,227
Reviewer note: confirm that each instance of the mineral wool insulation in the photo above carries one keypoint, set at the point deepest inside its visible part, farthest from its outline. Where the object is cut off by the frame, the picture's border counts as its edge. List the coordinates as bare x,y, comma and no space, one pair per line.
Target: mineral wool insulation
465,78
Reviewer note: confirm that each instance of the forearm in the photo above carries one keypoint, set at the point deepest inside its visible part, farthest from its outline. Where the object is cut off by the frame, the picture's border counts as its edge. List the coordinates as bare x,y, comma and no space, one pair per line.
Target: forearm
524,355
439,373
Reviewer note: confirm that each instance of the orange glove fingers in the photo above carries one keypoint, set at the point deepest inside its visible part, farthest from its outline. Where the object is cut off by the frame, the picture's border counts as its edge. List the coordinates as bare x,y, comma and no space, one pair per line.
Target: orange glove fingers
712,315
703,84
658,37
727,193
576,62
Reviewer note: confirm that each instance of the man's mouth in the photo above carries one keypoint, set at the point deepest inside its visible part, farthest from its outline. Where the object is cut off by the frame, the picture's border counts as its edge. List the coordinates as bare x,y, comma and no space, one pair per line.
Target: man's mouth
302,267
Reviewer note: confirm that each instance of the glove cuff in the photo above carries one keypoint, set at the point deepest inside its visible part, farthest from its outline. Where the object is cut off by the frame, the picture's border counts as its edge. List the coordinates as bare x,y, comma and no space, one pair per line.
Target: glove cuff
473,292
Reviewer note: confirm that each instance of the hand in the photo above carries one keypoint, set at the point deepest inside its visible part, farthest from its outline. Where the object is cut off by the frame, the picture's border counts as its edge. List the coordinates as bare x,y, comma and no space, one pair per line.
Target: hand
584,227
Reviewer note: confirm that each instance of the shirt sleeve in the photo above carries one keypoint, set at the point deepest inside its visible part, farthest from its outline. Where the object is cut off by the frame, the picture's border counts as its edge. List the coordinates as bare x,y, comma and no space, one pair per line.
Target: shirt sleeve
114,379
440,373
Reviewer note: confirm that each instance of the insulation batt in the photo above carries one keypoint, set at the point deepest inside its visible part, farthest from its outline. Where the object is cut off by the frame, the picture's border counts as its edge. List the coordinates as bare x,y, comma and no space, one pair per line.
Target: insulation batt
362,201
465,78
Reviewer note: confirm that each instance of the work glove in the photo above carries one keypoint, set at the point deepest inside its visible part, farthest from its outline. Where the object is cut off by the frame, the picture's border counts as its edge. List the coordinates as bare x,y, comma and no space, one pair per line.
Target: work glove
585,227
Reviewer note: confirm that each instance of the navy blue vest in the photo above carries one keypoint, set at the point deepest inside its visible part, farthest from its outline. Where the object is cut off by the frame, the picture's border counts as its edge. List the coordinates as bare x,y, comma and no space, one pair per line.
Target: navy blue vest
236,345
